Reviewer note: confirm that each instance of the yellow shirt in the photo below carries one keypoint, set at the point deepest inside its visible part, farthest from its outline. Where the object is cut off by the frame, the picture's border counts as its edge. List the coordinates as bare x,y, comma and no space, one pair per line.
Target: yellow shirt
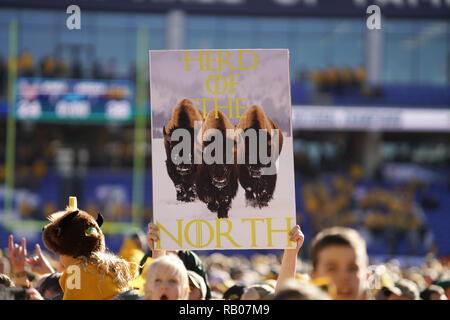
130,252
80,282
139,282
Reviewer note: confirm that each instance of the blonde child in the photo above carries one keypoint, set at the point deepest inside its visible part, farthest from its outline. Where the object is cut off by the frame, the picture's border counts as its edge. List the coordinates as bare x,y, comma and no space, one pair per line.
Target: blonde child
167,279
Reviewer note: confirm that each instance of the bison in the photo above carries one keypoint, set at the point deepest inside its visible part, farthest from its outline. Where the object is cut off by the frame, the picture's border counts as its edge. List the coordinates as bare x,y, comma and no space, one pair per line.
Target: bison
259,188
217,182
183,174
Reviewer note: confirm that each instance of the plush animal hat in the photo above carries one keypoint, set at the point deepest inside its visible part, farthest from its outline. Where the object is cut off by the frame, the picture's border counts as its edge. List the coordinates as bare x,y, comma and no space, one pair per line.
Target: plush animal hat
74,232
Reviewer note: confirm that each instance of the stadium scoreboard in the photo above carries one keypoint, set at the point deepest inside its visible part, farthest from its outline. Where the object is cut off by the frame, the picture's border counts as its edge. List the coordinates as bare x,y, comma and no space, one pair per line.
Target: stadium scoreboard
70,100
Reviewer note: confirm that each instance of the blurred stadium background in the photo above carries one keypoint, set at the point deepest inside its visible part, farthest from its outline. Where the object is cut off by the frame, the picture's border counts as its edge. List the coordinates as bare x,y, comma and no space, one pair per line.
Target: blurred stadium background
371,111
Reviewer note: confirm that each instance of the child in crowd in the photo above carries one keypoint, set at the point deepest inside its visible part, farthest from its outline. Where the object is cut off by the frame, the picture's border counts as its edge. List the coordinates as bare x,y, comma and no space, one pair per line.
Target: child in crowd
48,286
300,290
167,279
340,254
197,286
90,273
190,260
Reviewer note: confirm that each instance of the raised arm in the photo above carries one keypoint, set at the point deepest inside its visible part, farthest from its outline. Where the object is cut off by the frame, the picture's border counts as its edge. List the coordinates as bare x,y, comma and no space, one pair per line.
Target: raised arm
289,262
39,262
18,255
152,237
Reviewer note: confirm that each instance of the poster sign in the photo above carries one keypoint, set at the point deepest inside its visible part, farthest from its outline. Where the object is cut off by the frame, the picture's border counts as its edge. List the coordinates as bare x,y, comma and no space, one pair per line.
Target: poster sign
222,150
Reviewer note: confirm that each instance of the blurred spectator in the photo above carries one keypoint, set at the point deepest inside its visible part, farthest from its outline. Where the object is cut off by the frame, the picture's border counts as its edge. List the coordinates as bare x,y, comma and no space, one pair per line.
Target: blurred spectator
346,79
360,76
318,78
62,69
133,248
48,67
409,290
5,281
197,286
97,72
77,69
336,252
26,64
433,292
302,75
234,293
49,287
301,290
111,69
444,284
258,292
132,71
388,293
331,79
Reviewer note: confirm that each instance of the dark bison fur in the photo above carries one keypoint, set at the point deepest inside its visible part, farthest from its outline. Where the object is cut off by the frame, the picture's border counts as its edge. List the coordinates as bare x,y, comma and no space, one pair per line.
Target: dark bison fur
183,175
217,184
259,189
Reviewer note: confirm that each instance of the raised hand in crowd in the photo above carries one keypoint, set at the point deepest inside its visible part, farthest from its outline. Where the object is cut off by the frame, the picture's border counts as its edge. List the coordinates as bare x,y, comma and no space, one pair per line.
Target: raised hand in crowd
17,255
33,294
289,262
39,263
152,238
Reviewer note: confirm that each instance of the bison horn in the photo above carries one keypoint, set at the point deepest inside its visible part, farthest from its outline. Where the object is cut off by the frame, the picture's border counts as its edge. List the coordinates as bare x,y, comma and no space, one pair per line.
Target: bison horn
99,219
66,220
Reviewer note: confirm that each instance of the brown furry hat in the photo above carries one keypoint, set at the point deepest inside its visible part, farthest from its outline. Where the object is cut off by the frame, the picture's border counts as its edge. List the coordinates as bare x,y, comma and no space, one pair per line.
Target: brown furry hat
74,233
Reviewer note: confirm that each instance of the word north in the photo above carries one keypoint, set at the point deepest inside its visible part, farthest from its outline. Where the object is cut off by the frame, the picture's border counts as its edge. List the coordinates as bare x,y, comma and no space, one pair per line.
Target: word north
258,150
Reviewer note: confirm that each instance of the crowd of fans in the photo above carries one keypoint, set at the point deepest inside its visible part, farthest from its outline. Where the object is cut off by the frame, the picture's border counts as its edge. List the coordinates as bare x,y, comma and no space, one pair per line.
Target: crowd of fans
336,211
50,152
336,80
339,81
57,67
388,212
339,269
53,66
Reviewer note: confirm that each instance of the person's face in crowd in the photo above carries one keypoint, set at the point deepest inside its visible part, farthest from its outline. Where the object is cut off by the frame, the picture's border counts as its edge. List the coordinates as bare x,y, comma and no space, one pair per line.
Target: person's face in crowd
194,292
340,264
165,286
49,294
396,297
437,296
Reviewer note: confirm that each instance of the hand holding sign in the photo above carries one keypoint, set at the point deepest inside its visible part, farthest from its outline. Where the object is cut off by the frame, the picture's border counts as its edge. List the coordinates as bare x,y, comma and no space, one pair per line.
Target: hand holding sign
289,262
152,237
296,235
